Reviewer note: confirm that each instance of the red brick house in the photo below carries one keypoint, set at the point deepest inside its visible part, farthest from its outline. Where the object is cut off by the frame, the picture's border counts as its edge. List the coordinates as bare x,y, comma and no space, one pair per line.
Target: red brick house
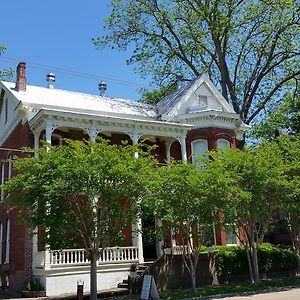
193,119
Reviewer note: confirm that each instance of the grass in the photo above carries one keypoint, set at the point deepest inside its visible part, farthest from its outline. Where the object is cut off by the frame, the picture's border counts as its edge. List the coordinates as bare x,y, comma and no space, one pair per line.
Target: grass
231,288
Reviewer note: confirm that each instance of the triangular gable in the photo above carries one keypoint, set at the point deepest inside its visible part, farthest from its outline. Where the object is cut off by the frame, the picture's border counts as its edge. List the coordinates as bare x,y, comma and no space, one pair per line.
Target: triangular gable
198,95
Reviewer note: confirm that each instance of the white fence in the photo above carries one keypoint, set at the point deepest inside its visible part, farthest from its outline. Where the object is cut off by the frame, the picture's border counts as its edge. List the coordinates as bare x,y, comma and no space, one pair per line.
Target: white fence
77,257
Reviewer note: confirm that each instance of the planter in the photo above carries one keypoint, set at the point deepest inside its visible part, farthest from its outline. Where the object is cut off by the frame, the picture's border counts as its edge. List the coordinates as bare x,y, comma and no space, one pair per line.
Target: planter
33,294
133,274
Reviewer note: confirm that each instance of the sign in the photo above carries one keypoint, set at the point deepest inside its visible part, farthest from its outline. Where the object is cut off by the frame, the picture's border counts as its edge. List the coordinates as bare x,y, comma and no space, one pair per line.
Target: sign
149,287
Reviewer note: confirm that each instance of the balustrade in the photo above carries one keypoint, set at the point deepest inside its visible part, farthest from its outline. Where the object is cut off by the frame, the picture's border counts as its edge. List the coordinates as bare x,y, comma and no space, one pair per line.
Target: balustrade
80,257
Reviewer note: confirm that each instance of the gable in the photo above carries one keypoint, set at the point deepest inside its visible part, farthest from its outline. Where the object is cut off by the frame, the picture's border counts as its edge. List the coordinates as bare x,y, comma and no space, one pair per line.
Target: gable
197,96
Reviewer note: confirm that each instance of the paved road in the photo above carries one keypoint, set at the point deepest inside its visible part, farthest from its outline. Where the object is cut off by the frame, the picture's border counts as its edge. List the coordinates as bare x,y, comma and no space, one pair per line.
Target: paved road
288,294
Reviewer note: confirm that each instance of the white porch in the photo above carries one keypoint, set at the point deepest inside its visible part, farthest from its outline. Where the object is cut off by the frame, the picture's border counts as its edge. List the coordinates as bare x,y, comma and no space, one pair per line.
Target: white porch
60,270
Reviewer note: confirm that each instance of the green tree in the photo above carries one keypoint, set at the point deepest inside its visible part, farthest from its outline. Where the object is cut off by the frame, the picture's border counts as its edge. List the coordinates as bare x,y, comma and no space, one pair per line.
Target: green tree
288,149
84,190
5,73
254,196
250,49
185,197
286,117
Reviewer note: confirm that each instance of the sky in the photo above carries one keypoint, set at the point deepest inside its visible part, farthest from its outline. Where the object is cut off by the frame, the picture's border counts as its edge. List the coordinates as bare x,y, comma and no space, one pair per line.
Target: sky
57,36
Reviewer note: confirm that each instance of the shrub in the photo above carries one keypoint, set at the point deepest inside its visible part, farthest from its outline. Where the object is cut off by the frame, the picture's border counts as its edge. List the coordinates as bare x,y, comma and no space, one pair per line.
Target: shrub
232,261
33,285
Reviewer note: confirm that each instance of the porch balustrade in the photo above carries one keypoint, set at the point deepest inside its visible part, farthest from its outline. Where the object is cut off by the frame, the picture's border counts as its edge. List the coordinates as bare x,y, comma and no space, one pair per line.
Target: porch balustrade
77,257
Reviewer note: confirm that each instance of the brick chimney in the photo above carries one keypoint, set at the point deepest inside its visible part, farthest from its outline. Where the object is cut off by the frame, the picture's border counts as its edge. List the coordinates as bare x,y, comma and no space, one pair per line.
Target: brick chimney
21,77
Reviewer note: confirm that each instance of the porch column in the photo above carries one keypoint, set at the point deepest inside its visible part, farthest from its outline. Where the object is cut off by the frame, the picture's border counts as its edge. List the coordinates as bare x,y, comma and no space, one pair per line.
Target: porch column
49,130
160,244
137,238
93,133
168,150
182,142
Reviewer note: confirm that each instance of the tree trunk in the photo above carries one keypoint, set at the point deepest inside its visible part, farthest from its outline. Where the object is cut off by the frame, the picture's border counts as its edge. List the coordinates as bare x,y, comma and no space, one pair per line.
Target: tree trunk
255,264
93,276
192,273
250,265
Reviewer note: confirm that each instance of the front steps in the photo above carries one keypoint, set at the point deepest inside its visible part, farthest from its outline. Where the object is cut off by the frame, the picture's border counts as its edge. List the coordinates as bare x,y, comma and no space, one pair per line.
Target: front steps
142,268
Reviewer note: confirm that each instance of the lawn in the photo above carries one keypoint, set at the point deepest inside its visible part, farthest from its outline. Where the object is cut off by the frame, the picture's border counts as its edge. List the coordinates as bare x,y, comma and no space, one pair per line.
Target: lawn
231,288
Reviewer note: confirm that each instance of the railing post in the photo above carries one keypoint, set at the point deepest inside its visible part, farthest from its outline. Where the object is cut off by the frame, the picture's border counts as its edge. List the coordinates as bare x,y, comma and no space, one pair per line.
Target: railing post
47,262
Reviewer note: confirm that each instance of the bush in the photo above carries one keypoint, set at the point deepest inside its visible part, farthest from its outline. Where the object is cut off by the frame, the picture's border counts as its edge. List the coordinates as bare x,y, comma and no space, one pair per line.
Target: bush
33,285
232,261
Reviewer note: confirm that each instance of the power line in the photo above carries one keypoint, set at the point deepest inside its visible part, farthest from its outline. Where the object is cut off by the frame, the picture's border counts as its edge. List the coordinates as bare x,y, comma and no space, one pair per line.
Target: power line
76,73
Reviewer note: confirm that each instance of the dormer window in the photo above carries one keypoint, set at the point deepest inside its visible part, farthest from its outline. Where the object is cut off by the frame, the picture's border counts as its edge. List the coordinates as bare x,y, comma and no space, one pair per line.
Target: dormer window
202,100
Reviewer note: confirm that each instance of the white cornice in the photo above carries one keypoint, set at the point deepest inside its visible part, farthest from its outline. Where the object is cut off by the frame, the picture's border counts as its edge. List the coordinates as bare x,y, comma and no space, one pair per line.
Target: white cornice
106,123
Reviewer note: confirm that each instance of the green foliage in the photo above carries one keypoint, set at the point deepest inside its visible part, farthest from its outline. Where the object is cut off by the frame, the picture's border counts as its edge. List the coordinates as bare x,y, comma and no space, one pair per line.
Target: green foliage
81,191
232,261
5,74
286,116
154,96
234,288
33,285
194,37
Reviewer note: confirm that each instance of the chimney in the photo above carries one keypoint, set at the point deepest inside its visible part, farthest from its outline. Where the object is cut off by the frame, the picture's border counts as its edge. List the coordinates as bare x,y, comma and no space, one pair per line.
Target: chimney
21,77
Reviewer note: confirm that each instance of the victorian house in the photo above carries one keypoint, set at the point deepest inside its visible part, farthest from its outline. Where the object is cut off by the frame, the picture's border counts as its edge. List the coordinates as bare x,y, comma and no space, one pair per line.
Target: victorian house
193,119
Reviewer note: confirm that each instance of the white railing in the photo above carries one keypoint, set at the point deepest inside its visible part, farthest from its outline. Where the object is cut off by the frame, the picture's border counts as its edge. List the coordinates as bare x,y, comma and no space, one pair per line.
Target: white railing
179,249
176,250
80,257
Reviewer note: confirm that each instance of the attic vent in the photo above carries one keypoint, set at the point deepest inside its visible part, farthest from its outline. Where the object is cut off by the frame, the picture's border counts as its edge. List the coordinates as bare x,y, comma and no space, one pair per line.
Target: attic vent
202,100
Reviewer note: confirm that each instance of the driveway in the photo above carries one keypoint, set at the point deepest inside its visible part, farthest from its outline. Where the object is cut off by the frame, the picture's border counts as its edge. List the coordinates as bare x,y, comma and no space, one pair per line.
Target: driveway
284,294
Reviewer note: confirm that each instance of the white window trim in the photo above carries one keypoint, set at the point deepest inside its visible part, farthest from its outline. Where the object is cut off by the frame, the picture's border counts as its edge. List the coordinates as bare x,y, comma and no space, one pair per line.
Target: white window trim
221,140
194,158
9,166
2,179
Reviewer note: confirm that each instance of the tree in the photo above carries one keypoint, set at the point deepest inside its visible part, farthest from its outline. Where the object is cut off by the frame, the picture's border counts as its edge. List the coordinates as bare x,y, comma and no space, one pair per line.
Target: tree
82,190
250,49
288,149
286,117
254,196
185,197
5,73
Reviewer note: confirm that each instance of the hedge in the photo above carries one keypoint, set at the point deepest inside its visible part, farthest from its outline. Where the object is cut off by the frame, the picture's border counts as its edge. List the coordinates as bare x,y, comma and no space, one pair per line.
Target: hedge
231,261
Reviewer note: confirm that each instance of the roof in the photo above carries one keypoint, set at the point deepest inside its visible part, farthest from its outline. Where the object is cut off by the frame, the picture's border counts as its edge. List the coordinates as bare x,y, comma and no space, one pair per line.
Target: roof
45,98
169,101
182,94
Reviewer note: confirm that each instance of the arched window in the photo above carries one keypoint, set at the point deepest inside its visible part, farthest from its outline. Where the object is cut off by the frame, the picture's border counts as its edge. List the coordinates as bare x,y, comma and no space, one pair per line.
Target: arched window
9,166
2,173
1,240
223,143
7,245
199,147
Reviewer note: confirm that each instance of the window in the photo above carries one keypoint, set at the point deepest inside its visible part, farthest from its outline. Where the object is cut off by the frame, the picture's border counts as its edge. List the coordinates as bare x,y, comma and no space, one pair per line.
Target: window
7,246
2,179
222,143
231,238
199,147
202,100
9,166
1,243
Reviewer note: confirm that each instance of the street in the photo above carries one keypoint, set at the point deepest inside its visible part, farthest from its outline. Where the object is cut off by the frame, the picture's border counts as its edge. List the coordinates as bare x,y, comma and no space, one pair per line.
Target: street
290,294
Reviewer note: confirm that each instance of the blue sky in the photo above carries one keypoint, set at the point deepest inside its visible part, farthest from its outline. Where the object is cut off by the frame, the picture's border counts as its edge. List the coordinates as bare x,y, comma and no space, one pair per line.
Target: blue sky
59,34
